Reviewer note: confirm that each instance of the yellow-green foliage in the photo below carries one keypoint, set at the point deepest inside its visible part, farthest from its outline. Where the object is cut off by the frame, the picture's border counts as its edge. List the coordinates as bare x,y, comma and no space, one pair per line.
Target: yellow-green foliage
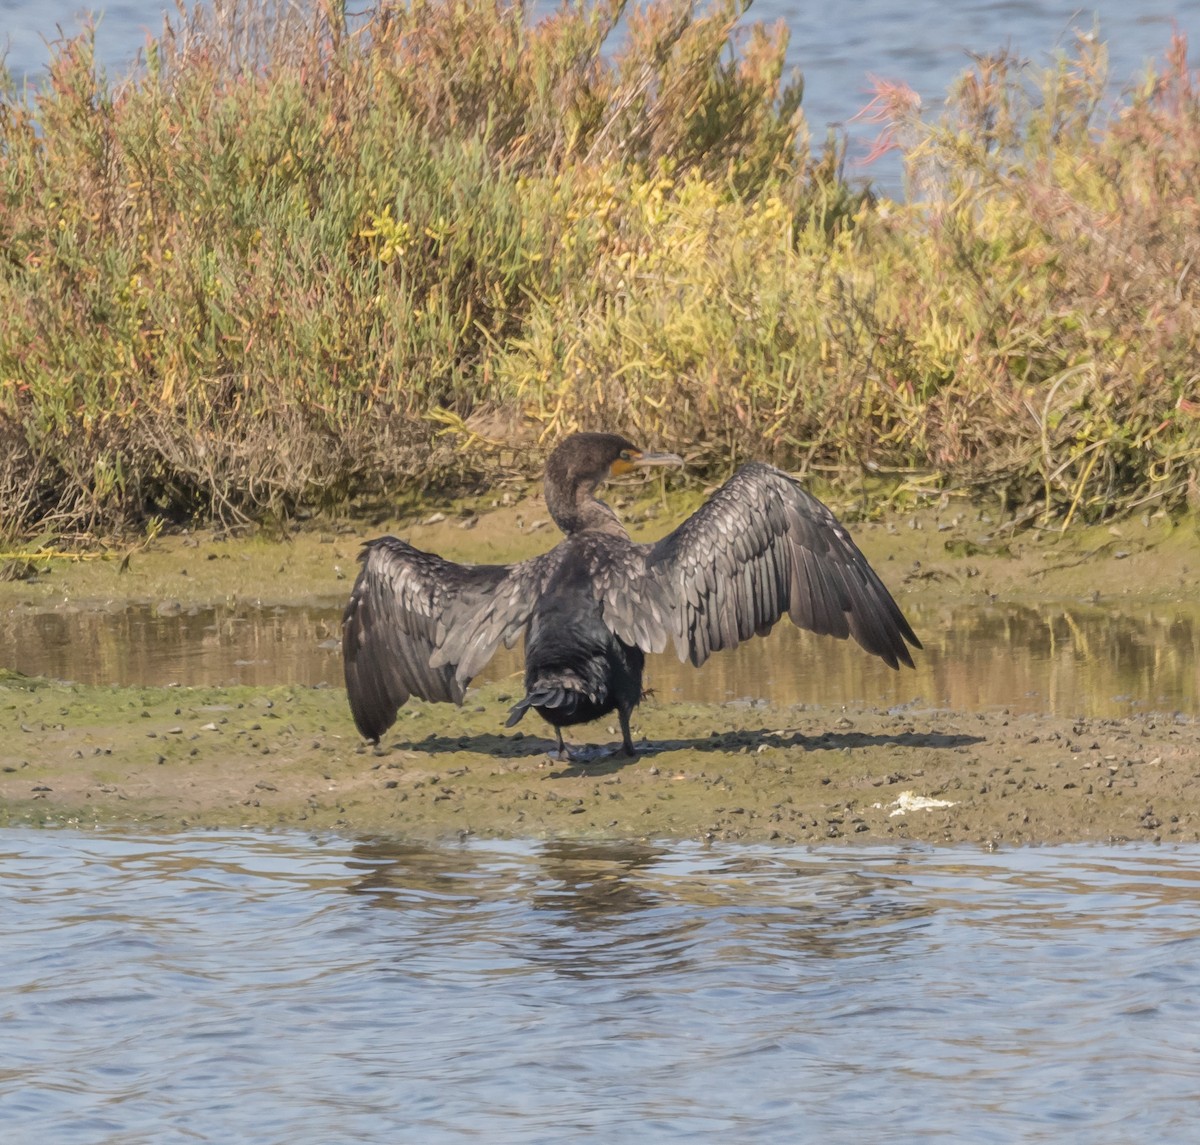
246,277
271,267
1052,303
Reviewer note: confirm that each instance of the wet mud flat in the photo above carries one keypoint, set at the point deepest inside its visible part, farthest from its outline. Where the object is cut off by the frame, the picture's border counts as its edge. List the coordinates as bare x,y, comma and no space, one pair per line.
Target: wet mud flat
166,757
177,757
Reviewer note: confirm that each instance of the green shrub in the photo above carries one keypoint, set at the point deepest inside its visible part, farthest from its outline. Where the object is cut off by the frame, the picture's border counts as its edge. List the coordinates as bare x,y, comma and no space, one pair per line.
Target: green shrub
273,266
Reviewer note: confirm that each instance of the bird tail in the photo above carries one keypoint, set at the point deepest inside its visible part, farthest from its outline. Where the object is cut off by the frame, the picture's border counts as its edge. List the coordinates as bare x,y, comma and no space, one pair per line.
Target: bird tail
555,696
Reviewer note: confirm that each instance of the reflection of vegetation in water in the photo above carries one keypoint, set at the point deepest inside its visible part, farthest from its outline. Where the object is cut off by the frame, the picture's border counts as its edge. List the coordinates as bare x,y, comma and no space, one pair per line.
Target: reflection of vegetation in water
275,266
165,644
1081,660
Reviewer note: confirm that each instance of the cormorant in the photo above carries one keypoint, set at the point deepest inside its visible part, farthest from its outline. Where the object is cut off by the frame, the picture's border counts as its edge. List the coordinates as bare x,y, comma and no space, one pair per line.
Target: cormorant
590,608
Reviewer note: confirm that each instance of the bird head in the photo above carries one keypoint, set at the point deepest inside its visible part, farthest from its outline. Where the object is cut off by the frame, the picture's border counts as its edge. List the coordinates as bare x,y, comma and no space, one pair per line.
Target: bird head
582,462
595,457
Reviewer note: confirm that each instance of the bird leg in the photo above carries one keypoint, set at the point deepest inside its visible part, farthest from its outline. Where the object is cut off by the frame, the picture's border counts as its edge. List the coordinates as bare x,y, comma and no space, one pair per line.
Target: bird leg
564,752
623,715
585,755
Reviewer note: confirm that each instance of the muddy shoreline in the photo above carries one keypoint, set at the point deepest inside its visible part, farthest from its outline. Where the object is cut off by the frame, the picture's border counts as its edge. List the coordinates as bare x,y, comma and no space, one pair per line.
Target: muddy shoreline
172,757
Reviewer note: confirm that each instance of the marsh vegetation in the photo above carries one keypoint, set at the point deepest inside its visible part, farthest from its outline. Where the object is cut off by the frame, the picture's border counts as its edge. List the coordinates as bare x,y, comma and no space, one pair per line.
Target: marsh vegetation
298,258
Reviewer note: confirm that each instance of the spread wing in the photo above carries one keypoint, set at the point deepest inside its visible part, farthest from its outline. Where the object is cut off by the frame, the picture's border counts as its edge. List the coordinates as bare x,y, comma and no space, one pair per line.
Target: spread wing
420,625
762,546
634,605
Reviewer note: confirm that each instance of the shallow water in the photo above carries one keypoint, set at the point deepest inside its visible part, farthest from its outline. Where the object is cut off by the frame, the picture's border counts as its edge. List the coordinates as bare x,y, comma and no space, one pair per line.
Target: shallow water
1078,660
267,988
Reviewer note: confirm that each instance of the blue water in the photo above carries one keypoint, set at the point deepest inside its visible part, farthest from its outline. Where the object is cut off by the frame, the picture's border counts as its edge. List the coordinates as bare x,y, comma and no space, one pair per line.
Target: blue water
281,988
924,43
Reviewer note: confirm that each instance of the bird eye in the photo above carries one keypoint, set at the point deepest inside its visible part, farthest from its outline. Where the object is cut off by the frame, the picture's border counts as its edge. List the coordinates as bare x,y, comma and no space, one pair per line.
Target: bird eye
626,455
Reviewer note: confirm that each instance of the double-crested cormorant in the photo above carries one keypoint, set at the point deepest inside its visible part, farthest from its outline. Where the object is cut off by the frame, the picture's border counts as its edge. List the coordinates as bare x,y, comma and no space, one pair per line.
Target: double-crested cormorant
590,608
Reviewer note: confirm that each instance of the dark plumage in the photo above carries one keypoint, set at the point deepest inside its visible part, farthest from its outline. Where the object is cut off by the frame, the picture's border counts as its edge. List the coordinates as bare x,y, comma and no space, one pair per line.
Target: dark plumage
591,607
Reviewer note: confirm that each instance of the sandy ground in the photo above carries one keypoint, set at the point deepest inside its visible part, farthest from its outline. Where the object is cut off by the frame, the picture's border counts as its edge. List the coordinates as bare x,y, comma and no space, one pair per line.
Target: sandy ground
167,758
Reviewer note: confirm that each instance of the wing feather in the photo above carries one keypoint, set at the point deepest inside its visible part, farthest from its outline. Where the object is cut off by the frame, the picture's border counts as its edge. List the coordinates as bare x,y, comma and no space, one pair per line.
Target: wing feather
763,546
419,625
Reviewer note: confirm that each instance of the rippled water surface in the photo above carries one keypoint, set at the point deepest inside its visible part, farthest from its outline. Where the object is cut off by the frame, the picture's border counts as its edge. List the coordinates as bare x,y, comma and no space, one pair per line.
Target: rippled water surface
280,988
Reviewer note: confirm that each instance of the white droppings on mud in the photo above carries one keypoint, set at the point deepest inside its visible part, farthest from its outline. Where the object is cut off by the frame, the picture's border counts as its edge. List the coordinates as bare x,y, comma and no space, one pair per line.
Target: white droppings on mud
910,801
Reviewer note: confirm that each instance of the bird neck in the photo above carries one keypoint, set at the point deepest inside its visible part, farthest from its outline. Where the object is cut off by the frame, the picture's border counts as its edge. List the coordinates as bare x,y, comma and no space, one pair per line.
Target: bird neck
577,509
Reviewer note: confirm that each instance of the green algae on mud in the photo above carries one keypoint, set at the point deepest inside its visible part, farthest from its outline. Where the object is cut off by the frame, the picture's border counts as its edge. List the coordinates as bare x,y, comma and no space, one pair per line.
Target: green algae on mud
949,550
287,757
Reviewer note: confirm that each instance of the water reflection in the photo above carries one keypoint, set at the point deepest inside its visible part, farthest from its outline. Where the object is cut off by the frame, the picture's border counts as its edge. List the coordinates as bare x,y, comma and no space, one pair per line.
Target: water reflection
1086,660
261,988
598,886
577,892
609,906
169,644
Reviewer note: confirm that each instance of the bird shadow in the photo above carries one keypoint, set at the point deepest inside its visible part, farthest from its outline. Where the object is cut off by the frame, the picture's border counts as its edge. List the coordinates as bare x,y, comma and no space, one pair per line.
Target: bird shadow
605,759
